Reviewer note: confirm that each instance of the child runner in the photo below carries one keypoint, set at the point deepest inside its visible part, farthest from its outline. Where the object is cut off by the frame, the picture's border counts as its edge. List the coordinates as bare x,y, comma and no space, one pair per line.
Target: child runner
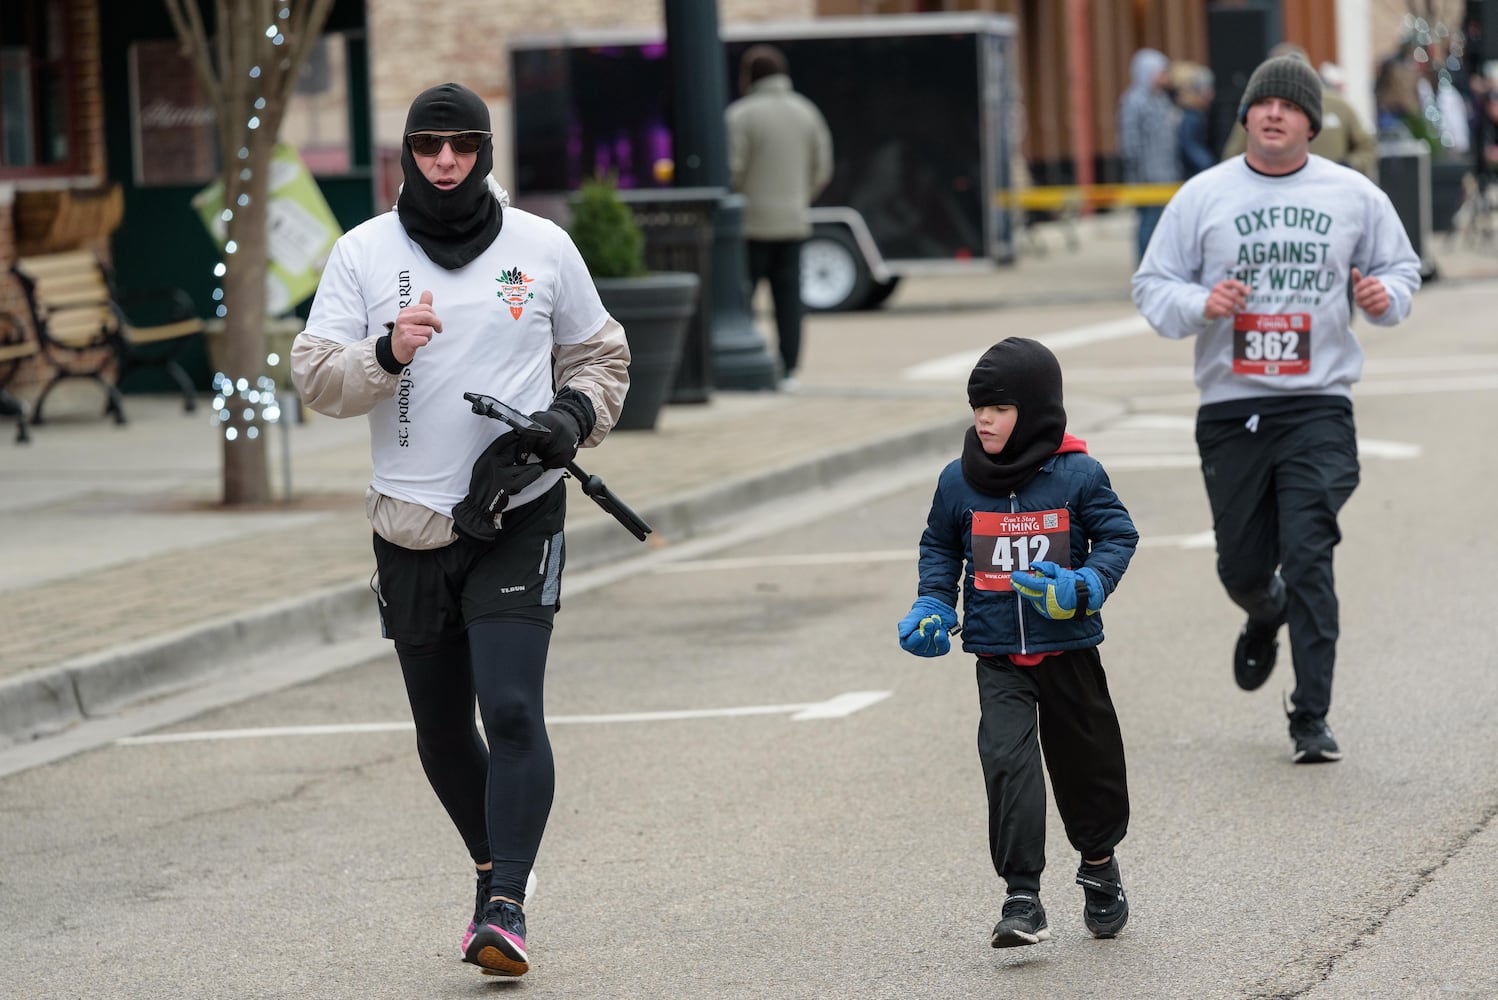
1045,540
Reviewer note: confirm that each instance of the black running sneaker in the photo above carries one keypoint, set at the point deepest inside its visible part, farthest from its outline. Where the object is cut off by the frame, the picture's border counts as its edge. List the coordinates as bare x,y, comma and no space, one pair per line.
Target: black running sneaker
1107,908
1314,742
1022,922
1253,657
497,945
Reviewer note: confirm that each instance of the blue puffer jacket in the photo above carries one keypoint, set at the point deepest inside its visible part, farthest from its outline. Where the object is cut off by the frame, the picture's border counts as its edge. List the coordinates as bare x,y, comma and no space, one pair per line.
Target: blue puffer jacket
1103,538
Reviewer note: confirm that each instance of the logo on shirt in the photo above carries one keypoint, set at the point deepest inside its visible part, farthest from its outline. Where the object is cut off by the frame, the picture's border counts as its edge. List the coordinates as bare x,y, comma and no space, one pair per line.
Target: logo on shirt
513,291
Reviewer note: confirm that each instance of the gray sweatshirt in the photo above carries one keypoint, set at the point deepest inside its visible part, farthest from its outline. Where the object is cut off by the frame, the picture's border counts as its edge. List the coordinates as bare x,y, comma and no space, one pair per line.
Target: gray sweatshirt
1294,241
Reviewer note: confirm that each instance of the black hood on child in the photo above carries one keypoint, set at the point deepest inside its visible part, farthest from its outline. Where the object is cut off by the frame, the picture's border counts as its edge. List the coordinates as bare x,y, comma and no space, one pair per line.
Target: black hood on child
455,226
1022,373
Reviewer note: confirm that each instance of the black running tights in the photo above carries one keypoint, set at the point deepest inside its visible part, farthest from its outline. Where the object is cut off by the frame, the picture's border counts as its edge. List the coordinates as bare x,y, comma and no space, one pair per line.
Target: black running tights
499,798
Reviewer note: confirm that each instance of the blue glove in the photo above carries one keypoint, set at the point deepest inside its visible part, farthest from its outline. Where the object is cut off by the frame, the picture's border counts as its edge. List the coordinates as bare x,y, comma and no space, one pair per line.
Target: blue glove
924,631
1052,590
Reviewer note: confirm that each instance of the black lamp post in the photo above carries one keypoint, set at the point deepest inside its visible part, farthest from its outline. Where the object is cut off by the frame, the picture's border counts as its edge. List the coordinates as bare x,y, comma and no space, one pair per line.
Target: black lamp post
699,76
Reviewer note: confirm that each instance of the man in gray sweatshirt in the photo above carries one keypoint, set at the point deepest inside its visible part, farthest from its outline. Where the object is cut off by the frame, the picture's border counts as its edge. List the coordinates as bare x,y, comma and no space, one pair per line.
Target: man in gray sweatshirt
1261,259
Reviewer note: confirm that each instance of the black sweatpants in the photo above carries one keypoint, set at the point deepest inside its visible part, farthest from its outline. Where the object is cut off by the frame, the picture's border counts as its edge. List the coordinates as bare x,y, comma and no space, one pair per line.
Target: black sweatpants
779,261
1276,482
1065,697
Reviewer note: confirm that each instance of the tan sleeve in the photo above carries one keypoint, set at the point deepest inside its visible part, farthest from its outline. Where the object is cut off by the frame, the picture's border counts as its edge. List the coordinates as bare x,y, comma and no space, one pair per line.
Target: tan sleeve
339,380
599,369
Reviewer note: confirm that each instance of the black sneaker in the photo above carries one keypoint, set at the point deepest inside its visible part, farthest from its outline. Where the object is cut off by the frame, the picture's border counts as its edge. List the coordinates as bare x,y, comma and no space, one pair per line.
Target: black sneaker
1107,908
1022,922
1314,742
1253,657
497,946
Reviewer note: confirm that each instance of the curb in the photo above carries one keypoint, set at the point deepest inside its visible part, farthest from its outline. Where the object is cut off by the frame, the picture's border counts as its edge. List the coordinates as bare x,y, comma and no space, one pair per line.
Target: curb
45,701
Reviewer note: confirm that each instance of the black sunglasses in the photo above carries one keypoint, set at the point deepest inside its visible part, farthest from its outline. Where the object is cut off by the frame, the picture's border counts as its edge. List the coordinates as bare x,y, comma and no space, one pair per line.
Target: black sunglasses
427,144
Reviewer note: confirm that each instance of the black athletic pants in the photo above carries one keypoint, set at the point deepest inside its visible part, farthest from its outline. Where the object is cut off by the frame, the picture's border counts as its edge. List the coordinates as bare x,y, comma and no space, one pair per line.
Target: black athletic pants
1276,483
779,261
1065,700
499,798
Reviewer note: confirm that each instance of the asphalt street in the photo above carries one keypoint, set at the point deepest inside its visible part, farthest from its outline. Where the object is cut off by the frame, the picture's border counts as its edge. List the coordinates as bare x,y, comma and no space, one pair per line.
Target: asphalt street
760,795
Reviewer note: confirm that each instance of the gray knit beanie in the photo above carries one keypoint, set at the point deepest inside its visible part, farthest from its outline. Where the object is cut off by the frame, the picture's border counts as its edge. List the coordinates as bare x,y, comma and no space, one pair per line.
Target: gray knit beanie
1290,78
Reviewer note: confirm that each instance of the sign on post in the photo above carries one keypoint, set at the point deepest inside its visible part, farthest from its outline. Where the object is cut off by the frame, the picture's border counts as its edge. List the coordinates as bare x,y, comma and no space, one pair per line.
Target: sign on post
300,229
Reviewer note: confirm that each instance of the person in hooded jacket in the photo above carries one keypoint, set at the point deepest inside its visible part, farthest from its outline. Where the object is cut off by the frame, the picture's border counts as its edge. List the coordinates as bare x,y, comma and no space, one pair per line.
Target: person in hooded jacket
1044,540
1148,135
456,291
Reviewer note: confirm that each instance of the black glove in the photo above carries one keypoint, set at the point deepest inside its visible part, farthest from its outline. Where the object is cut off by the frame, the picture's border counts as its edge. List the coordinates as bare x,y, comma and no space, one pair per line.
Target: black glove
570,419
496,478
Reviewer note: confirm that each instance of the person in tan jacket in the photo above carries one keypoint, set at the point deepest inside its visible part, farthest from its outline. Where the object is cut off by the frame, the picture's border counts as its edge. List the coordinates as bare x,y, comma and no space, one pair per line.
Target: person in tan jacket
780,159
455,291
1343,137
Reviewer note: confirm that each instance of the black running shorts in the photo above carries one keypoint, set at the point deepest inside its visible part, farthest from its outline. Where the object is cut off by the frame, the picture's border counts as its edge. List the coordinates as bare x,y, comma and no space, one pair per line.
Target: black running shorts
432,595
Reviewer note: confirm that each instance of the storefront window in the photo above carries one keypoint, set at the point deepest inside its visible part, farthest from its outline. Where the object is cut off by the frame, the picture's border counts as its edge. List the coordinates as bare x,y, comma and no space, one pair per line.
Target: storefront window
175,138
34,95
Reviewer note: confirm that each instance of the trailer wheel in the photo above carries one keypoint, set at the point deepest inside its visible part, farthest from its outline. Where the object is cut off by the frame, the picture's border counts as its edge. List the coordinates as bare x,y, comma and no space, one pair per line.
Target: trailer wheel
834,277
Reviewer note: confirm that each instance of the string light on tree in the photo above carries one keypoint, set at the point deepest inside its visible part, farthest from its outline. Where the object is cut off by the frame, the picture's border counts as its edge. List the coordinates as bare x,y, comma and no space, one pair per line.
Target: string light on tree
239,408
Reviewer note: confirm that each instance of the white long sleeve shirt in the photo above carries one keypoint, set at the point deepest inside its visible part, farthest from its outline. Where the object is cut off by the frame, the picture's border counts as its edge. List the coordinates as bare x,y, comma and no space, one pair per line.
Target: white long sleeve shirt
1294,240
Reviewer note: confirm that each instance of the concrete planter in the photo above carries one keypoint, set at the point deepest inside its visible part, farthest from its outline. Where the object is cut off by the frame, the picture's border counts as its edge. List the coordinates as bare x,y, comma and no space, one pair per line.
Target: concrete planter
654,311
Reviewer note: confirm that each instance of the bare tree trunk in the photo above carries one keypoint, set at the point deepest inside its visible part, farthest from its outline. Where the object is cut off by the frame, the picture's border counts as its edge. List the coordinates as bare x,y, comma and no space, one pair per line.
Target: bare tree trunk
250,69
246,476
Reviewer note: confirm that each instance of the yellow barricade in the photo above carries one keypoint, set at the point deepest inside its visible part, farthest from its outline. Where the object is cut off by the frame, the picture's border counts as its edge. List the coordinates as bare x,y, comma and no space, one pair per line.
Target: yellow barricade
1074,198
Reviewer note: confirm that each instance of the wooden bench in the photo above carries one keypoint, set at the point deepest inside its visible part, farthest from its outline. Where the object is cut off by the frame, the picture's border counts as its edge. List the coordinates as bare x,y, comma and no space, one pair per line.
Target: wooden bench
83,327
15,347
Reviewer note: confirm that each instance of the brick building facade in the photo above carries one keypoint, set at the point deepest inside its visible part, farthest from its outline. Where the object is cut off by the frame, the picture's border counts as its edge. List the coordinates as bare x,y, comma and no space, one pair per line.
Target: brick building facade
32,195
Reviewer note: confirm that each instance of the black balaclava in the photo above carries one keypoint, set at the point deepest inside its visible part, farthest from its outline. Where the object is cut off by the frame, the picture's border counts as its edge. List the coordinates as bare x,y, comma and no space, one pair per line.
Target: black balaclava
1023,373
455,226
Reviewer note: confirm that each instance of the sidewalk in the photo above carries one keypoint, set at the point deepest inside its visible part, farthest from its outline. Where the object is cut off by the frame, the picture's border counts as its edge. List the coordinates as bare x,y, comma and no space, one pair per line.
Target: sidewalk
121,577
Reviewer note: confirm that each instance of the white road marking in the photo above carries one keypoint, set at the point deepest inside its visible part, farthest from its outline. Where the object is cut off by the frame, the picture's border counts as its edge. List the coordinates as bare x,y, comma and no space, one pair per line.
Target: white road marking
959,365
267,732
1383,371
1421,386
792,559
1197,540
1374,448
1430,363
1136,463
1114,461
836,707
841,706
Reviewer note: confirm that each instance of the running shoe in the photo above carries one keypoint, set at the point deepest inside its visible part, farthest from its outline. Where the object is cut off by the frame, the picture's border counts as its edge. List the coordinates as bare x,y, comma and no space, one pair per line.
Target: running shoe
1022,922
1107,908
1314,742
497,947
1253,657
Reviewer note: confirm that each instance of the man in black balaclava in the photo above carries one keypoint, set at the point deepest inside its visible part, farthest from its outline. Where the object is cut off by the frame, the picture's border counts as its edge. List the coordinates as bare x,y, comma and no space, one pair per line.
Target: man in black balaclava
449,212
454,292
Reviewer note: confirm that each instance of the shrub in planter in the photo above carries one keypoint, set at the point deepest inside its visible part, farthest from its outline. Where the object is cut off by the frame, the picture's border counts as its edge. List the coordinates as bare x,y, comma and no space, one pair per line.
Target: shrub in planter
604,229
653,307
